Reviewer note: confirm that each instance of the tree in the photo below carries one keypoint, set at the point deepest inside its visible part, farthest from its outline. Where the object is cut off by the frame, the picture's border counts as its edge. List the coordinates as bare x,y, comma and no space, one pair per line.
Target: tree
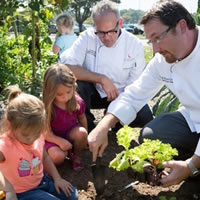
131,16
8,12
82,10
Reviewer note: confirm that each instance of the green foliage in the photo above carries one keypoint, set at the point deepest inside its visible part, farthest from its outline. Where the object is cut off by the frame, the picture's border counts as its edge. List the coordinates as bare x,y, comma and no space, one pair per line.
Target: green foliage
125,135
165,101
131,16
15,62
152,152
165,198
148,53
82,9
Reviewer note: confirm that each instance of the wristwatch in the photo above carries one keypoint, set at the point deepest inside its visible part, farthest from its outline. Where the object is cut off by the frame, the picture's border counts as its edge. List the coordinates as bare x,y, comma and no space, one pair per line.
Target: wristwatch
192,167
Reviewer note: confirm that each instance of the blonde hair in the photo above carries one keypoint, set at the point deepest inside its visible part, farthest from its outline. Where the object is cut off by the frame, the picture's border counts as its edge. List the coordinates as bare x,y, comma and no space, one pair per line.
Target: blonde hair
55,75
65,20
24,112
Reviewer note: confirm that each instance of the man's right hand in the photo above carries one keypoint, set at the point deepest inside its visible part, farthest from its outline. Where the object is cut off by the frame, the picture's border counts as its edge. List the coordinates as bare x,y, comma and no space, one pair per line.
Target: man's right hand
98,141
109,88
98,137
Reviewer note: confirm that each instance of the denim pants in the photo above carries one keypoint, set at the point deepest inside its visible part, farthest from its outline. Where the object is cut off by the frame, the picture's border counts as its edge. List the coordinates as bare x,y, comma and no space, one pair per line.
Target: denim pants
46,191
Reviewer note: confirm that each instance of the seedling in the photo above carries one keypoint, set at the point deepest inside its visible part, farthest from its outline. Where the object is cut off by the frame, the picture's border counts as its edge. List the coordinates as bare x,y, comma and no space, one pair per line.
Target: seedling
147,157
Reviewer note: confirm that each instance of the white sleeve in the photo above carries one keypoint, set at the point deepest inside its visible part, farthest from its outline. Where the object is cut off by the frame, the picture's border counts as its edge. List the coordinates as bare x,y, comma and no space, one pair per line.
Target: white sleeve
76,54
136,95
197,151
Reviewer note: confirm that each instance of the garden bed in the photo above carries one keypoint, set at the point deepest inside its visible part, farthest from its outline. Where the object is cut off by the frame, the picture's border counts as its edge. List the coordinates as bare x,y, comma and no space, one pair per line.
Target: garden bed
115,181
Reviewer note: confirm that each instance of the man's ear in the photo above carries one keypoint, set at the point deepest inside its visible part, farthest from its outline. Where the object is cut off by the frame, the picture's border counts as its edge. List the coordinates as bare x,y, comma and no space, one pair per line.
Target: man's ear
183,25
121,22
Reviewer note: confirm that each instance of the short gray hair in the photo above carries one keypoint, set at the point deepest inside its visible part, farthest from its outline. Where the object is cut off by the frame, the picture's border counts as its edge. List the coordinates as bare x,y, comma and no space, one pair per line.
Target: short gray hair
104,7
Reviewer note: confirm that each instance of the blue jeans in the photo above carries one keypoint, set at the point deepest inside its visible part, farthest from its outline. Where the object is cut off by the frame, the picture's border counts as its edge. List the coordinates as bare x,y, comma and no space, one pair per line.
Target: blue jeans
46,191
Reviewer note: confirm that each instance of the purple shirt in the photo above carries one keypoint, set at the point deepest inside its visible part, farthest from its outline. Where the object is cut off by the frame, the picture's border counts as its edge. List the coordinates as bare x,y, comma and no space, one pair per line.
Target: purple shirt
64,121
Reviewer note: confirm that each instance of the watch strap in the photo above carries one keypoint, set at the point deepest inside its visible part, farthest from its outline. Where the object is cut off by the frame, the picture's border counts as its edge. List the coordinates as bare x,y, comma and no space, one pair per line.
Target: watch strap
192,167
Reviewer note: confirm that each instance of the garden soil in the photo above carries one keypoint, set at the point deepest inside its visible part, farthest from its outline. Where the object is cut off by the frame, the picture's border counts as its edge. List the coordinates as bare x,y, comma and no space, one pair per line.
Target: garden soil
115,181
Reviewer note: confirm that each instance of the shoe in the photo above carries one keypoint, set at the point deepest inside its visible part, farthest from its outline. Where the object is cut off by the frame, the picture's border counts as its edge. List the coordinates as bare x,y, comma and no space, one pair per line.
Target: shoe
77,166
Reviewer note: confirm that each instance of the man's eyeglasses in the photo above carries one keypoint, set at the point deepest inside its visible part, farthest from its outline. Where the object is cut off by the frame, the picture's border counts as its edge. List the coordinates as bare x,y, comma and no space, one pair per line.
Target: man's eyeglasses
109,33
160,37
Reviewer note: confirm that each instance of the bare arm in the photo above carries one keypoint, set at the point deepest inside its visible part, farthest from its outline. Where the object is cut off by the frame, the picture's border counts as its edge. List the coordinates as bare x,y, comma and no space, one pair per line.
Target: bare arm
5,185
55,48
98,139
83,120
64,144
85,75
59,183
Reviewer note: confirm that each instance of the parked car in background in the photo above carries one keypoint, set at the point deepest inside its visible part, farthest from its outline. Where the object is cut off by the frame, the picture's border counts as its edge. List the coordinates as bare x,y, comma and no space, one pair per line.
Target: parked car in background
139,28
133,28
76,28
52,28
88,26
130,30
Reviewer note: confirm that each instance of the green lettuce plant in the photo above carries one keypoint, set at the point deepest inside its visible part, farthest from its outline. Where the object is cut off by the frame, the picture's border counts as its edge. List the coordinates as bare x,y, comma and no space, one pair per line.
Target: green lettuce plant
149,155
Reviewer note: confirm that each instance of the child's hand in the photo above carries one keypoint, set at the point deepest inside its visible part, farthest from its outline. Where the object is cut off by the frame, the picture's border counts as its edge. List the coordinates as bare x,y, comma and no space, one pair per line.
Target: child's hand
64,144
64,185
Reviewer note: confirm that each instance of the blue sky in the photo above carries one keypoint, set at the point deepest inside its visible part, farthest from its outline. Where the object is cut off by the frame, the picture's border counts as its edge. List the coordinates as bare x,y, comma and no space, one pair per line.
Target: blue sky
190,5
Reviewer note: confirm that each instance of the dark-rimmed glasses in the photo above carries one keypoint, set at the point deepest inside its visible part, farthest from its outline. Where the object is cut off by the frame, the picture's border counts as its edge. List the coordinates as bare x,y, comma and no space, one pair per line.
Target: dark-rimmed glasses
160,37
109,33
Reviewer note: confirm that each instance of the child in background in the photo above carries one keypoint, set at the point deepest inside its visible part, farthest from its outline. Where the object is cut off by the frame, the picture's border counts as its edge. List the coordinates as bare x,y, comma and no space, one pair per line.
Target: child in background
65,116
23,158
66,37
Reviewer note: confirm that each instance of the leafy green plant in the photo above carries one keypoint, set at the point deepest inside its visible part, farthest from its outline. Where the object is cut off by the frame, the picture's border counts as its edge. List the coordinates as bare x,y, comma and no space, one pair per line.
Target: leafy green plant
165,101
147,156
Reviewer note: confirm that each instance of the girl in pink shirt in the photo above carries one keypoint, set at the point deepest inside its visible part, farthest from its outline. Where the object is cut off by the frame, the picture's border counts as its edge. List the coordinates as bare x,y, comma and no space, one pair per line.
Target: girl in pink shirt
67,132
23,159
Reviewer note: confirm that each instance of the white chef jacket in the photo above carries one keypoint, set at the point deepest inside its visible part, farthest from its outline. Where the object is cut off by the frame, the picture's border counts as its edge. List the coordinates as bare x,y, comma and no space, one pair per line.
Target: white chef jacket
122,63
182,78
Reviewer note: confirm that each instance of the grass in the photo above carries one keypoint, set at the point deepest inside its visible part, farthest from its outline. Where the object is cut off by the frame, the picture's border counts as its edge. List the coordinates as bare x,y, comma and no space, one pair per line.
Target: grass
148,53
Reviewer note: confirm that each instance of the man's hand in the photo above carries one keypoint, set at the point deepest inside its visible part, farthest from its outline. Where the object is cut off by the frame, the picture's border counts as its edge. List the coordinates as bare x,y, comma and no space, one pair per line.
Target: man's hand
109,88
98,141
178,172
97,138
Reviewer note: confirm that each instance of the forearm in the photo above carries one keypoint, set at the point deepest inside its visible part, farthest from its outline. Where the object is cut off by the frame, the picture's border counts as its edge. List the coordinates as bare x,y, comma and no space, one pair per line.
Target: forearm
55,48
83,121
196,160
50,137
5,185
83,74
49,167
108,121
